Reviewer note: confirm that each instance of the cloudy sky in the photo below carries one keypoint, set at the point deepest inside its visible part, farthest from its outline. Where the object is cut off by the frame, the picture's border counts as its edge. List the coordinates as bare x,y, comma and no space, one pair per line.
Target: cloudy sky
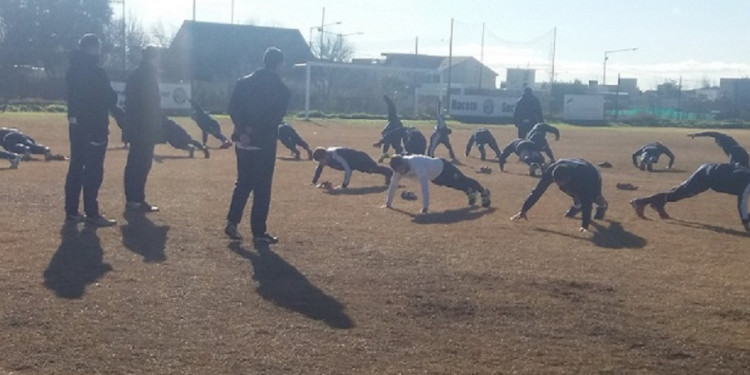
697,41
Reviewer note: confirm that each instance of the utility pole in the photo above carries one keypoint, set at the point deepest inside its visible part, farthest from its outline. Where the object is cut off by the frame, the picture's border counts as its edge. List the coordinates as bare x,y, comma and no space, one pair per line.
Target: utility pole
450,64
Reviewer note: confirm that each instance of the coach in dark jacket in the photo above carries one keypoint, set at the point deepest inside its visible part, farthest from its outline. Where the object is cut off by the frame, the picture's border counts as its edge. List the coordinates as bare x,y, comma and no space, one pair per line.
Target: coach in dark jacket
257,106
90,98
527,113
143,129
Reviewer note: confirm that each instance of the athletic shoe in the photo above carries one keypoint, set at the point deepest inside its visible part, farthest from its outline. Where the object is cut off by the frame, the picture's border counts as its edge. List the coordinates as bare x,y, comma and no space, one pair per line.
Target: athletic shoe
265,238
231,231
14,161
600,211
100,221
295,155
191,152
572,211
485,198
226,144
206,154
472,198
639,206
659,207
74,218
141,206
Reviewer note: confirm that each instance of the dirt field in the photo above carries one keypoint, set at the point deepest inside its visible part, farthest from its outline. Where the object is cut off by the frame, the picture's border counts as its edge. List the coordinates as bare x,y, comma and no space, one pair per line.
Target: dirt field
356,289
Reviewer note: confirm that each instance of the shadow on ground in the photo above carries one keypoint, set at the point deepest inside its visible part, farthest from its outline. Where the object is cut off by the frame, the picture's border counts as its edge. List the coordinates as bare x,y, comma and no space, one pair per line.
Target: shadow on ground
448,216
76,263
282,284
714,228
141,236
612,236
358,190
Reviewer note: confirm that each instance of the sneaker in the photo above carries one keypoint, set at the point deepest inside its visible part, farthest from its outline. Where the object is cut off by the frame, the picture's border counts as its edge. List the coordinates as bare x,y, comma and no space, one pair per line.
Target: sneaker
191,152
141,206
231,231
14,161
660,209
639,206
599,214
265,238
295,155
485,198
472,198
75,218
572,211
100,221
206,154
226,144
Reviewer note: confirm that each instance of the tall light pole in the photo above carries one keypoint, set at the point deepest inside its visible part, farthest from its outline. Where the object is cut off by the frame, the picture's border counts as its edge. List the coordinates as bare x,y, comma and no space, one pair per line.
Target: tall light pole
606,57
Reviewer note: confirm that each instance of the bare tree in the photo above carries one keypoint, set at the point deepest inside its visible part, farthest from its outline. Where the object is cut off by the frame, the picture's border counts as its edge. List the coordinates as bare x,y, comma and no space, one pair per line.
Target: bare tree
161,35
122,39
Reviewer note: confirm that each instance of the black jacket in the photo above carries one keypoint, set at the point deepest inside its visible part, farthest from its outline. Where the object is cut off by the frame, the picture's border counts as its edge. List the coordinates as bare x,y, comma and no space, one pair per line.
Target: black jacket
90,96
143,106
528,110
584,186
257,107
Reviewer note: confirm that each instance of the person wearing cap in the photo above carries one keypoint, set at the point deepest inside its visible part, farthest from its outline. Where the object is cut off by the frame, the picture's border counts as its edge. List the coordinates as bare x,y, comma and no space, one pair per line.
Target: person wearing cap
143,129
90,98
577,178
257,106
527,112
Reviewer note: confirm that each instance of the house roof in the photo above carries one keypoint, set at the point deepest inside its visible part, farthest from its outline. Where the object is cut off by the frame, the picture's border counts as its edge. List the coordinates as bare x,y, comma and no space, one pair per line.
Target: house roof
216,48
427,61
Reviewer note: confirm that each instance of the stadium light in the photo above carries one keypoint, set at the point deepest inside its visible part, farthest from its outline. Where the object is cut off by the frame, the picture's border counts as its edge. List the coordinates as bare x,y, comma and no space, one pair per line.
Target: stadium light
604,75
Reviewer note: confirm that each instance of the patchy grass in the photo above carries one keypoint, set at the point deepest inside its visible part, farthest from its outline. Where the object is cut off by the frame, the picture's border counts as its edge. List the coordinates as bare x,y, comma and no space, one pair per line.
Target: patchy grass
353,288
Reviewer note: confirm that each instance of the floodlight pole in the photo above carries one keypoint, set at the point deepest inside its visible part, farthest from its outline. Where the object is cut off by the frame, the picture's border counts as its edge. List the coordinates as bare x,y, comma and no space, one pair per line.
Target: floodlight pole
604,73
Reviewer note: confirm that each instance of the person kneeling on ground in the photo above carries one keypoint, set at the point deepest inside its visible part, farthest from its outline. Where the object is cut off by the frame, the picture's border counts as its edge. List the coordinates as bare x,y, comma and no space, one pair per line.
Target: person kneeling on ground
577,178
723,178
347,160
440,171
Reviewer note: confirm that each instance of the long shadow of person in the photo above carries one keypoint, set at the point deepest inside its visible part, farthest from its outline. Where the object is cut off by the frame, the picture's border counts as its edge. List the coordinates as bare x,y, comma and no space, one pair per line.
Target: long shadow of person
76,263
447,216
282,284
358,190
714,228
141,236
613,237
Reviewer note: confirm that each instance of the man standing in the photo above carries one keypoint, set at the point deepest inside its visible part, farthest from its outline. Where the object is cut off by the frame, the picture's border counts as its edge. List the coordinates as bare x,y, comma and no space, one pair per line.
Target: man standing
90,98
257,106
143,129
527,113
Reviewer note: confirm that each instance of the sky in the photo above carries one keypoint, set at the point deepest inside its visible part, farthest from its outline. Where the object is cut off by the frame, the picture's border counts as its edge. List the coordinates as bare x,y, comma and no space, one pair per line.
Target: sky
695,42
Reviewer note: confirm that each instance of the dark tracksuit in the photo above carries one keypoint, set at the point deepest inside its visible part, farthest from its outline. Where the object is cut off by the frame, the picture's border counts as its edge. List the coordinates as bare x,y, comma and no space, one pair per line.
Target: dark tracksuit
527,150
120,119
440,136
731,179
291,139
392,132
144,128
19,143
257,107
206,123
348,160
527,113
482,137
178,137
737,154
649,155
584,186
90,98
7,155
414,141
538,135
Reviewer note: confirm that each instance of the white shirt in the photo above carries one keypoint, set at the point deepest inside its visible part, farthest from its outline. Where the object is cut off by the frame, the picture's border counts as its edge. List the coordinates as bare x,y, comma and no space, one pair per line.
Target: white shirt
421,167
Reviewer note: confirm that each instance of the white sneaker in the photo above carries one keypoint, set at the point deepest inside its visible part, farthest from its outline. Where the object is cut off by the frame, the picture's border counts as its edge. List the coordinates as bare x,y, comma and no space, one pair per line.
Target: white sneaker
15,161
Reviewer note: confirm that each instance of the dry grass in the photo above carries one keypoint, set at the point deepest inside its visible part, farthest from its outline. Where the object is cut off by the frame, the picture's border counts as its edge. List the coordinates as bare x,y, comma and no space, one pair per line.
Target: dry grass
353,288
